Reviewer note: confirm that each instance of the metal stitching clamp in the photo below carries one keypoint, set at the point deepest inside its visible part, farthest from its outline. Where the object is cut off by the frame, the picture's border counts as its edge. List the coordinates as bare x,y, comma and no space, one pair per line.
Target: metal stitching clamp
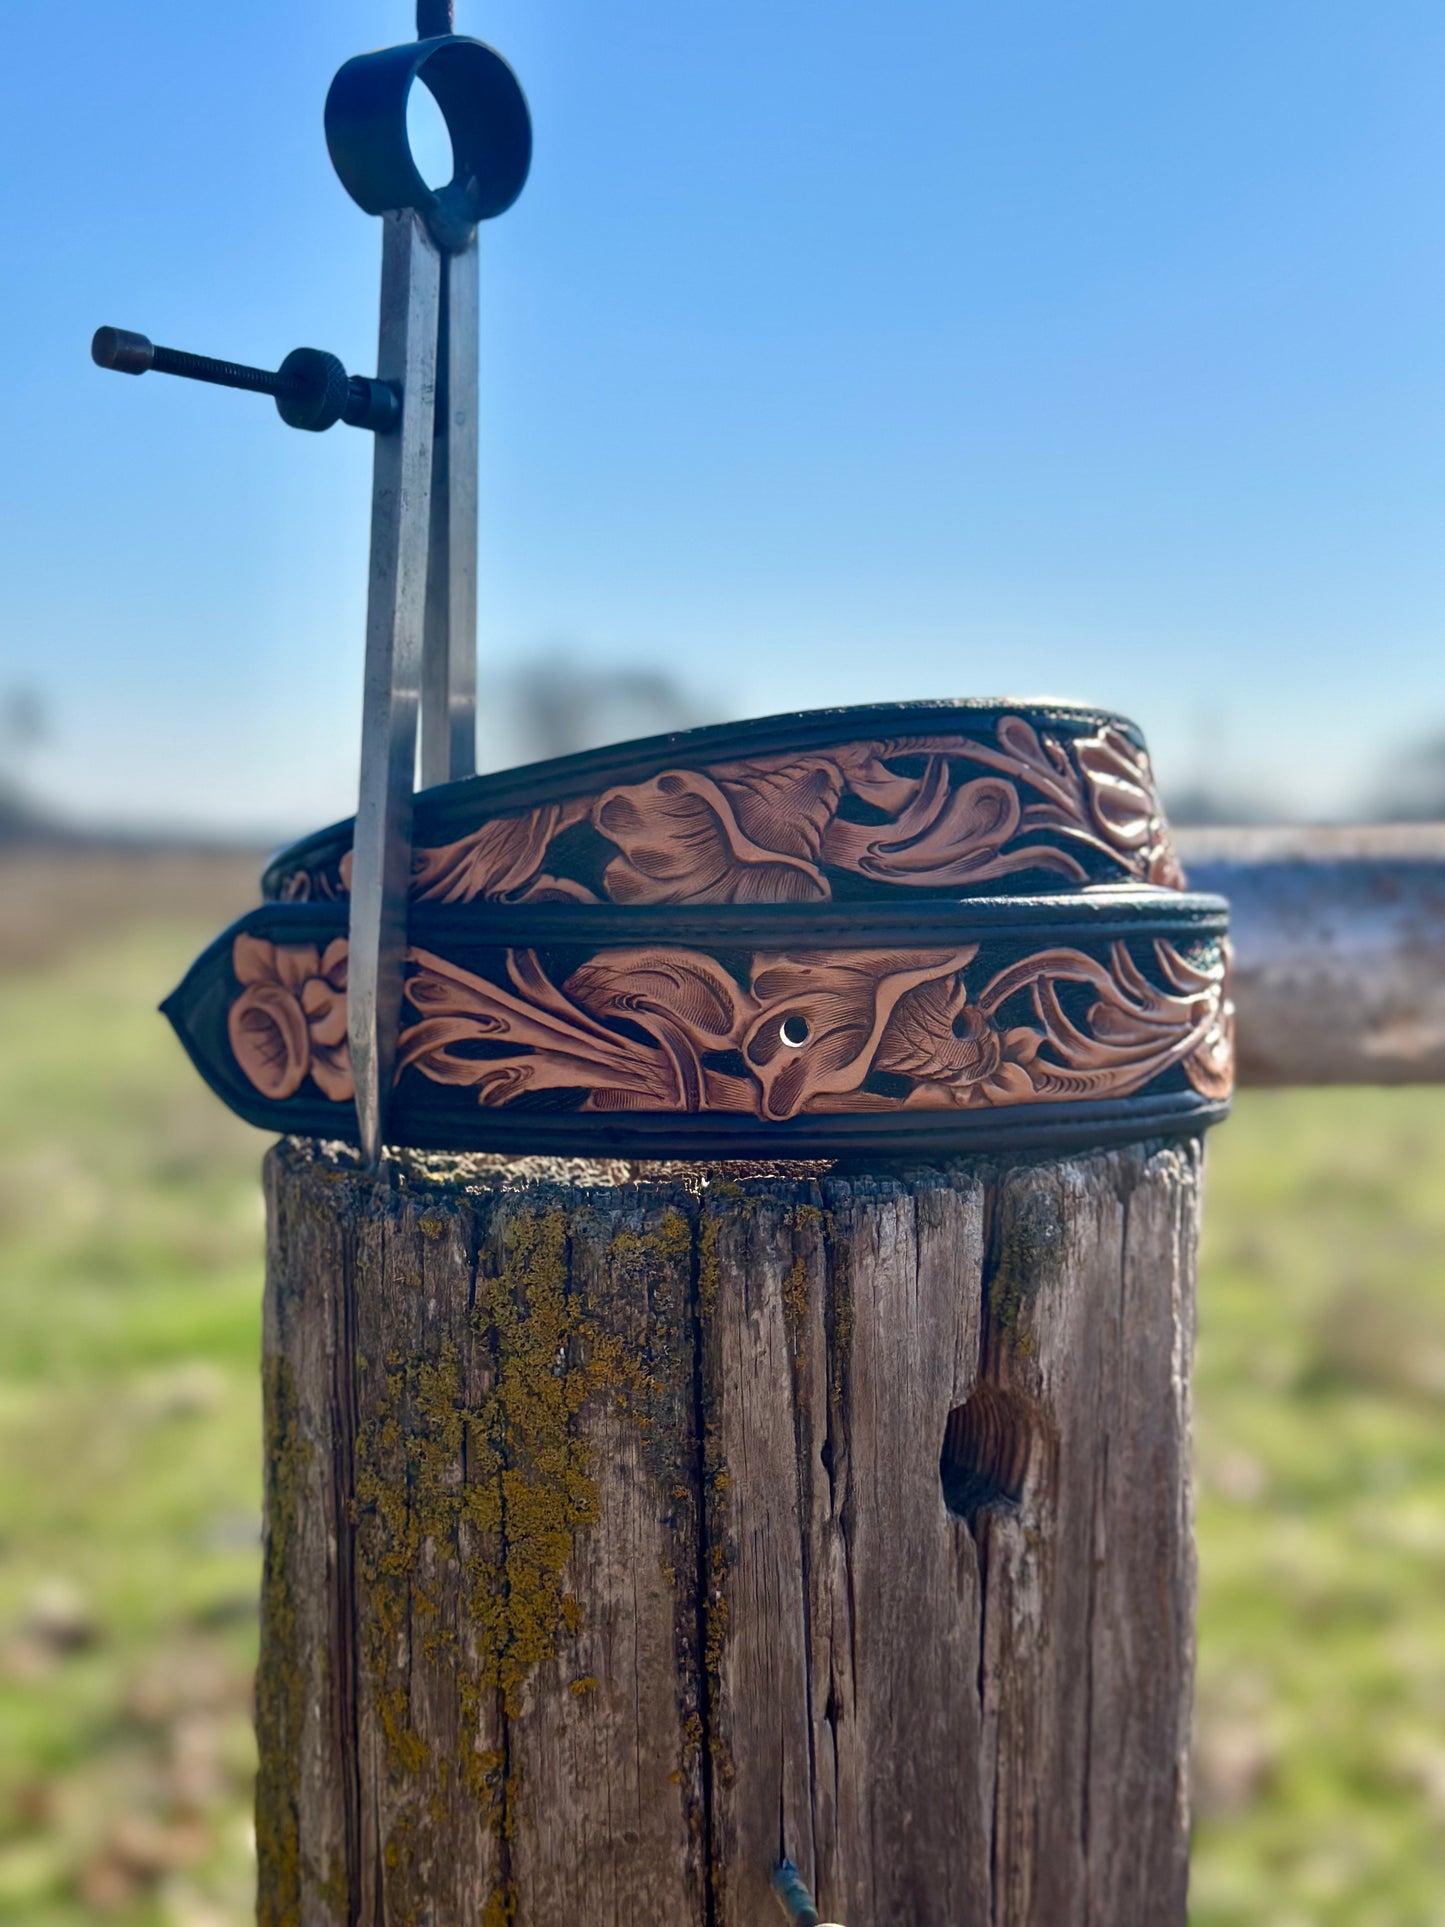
420,674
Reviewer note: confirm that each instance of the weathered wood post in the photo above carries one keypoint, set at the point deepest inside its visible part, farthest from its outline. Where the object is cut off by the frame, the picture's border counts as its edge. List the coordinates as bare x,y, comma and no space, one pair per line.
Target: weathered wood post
625,1531
631,1526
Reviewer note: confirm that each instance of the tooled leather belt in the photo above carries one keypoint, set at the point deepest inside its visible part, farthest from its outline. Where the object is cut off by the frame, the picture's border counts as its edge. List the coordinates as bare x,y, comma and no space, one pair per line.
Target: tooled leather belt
896,930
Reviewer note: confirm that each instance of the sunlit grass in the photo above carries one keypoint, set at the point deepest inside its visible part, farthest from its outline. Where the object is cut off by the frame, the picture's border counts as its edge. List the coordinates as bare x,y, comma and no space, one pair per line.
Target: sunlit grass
130,1260
1320,1395
130,1235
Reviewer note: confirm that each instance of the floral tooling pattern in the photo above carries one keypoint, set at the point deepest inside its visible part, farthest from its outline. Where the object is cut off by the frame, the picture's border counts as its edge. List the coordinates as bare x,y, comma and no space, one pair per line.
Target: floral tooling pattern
289,1022
779,829
813,1031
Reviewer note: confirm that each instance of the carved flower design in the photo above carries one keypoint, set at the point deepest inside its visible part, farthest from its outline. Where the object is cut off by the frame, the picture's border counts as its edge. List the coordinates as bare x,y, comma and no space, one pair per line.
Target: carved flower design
289,1021
956,1052
1124,802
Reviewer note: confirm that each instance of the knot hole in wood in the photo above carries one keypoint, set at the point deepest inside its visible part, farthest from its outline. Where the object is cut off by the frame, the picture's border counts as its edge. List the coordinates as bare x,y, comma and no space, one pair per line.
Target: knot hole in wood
987,1444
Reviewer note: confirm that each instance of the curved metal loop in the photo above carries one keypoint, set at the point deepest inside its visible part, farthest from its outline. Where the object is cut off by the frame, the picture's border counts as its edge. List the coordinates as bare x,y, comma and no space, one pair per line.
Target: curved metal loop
486,114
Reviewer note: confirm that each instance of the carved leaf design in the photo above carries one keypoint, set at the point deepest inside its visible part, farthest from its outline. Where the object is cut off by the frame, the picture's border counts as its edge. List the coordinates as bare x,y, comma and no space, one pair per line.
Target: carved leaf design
497,862
821,1016
932,1026
784,805
865,770
766,829
1126,807
1104,796
1022,753
555,1044
945,835
1209,1068
810,1031
689,1003
681,841
1134,1030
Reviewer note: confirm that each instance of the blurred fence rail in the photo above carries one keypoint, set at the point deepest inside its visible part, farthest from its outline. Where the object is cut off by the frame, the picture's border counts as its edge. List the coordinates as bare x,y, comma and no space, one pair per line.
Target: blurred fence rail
1339,942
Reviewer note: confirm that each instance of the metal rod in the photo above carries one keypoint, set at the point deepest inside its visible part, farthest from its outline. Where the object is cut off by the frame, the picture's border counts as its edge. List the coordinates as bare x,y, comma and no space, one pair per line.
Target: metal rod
133,354
1339,950
449,663
463,382
400,507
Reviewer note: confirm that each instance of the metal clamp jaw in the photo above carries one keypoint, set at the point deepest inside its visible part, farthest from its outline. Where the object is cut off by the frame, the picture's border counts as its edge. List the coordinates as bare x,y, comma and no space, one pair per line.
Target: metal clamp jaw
420,675
421,609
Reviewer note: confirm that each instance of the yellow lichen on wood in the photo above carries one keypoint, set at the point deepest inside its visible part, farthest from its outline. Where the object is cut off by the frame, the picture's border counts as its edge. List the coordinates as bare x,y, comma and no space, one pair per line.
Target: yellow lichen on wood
807,1224
708,1274
550,1358
501,1907
507,1528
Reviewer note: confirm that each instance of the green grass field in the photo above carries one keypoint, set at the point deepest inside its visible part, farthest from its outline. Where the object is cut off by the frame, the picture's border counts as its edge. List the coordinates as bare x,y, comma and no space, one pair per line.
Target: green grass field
130,1239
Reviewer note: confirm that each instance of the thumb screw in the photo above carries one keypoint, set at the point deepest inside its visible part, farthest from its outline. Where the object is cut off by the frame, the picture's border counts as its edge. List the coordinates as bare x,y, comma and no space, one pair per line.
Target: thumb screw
311,388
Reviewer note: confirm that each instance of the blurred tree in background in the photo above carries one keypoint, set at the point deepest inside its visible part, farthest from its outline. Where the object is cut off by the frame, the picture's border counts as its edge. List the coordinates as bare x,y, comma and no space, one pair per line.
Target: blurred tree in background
23,726
556,704
1413,787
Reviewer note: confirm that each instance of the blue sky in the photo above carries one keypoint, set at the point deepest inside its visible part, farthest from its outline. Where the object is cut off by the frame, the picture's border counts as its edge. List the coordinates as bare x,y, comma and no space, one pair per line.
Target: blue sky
833,353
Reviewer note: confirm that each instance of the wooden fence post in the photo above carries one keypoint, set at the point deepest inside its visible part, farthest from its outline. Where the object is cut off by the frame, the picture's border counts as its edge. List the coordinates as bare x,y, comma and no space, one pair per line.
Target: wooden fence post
627,1528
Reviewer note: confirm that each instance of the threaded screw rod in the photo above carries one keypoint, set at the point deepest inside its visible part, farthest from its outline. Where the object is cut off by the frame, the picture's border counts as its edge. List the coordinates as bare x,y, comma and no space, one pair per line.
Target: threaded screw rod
225,374
311,389
132,354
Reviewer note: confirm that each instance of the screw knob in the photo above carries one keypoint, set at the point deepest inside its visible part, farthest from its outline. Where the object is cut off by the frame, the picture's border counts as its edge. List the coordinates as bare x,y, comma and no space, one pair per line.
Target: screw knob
311,388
